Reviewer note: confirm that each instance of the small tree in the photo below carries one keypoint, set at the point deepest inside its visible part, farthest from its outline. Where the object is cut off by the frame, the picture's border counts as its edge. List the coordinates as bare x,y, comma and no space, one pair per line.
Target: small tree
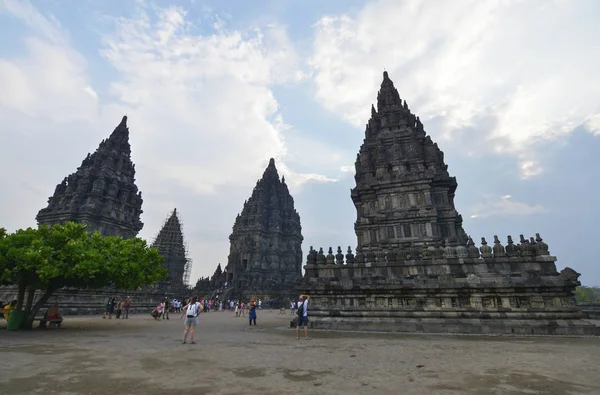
49,258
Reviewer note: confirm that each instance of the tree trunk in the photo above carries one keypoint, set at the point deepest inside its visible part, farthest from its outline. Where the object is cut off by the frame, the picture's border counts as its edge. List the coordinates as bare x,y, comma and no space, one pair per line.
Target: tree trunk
30,296
20,296
28,322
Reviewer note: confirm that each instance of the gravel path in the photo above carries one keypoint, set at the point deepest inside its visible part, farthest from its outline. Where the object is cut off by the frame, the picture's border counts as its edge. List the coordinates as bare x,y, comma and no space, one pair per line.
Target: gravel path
143,356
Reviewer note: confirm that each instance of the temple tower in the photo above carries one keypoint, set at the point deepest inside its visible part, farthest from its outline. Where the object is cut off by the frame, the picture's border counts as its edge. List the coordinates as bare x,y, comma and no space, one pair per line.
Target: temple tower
404,194
102,193
265,259
402,279
170,243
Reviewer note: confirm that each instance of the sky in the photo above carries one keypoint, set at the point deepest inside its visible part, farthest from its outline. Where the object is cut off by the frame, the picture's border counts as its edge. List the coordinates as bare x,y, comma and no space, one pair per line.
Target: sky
509,89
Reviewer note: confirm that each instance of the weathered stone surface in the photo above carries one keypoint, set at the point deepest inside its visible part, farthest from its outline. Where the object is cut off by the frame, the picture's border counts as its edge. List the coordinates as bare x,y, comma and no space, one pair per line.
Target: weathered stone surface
265,257
102,193
170,243
415,269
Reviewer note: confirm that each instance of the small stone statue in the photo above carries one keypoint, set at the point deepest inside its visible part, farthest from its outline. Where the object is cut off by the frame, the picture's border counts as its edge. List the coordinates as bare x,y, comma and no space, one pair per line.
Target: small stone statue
498,248
310,256
330,260
339,257
321,257
449,251
349,256
542,248
525,247
472,250
485,249
511,249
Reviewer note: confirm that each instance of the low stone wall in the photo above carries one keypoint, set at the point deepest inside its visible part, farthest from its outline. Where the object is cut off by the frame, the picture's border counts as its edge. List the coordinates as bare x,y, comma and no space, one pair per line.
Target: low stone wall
76,302
590,310
449,293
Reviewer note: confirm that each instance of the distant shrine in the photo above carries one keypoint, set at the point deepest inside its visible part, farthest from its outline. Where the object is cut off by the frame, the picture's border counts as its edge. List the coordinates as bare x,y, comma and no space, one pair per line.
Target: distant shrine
171,245
265,256
415,269
102,193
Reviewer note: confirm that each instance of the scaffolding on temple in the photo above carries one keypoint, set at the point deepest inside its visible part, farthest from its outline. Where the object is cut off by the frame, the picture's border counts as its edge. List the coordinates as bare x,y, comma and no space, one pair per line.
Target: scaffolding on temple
171,245
188,268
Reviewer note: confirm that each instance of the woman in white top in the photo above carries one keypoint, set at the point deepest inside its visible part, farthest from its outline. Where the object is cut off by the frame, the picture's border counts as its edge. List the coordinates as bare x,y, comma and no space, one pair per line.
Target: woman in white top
192,309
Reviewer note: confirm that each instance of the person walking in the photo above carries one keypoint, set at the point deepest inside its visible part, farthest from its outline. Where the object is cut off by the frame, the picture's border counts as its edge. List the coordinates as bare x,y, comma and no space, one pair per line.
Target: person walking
166,310
191,319
302,316
127,306
120,307
252,314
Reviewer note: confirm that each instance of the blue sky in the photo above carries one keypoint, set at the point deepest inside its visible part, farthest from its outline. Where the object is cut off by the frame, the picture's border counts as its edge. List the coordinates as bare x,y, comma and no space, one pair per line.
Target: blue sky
213,89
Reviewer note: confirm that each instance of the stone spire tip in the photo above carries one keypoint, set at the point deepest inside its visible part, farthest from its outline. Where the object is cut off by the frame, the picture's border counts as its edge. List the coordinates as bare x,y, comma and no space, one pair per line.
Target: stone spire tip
271,162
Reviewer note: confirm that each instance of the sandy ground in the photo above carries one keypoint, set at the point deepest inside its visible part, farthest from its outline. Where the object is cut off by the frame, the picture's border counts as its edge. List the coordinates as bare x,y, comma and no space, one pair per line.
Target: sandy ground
142,356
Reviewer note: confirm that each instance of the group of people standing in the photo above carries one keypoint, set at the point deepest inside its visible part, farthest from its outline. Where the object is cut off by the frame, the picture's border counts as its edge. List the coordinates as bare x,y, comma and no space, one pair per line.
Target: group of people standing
123,305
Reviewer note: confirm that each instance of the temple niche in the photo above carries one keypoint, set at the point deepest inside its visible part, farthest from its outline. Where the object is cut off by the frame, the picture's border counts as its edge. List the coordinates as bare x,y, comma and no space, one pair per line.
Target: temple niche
265,256
102,193
171,245
414,268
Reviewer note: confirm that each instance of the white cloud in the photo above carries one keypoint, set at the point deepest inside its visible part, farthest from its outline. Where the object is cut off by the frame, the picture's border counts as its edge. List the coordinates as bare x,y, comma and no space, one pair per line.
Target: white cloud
530,66
202,115
505,206
50,81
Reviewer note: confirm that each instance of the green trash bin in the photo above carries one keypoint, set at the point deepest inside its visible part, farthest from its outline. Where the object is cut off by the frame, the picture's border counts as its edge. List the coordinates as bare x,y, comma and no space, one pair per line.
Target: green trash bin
15,320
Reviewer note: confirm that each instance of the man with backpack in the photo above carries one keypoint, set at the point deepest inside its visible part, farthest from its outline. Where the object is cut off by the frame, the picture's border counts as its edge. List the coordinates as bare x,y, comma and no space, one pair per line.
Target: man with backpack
302,316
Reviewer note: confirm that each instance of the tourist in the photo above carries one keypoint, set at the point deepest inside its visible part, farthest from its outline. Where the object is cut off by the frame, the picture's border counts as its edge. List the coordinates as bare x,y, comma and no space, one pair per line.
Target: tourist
52,315
293,307
127,306
242,307
160,309
260,304
108,308
166,309
191,312
252,315
8,308
302,316
237,309
120,306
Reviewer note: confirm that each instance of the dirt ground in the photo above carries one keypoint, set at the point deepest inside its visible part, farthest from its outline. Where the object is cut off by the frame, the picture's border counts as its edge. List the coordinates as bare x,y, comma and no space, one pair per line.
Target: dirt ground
142,356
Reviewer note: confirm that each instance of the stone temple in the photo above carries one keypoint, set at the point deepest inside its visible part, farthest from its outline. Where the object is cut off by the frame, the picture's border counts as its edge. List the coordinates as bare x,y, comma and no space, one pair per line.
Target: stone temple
102,193
415,269
265,256
171,245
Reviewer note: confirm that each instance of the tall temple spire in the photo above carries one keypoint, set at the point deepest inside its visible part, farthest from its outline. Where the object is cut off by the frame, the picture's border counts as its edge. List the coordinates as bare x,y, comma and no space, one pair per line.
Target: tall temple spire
170,243
265,254
403,191
102,193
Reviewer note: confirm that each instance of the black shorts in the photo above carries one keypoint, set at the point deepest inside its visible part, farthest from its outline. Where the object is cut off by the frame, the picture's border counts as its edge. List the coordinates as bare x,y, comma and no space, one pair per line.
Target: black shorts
302,321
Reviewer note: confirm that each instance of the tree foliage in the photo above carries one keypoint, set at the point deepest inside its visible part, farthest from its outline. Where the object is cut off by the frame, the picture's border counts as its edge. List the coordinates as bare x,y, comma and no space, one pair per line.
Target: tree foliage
49,258
587,294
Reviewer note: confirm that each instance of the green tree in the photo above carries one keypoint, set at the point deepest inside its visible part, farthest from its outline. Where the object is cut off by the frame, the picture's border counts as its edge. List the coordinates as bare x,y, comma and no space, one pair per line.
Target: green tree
585,294
49,258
